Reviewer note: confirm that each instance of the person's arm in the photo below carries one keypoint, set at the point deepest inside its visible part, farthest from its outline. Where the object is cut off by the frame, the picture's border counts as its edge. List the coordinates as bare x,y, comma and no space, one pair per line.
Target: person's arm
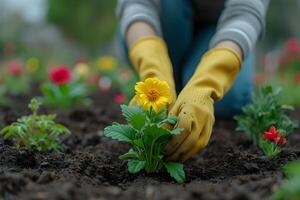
138,19
137,31
140,26
231,45
241,23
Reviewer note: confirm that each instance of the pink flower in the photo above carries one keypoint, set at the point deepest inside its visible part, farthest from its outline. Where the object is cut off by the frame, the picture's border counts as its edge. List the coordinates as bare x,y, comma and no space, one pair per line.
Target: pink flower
272,135
15,68
60,75
119,98
293,45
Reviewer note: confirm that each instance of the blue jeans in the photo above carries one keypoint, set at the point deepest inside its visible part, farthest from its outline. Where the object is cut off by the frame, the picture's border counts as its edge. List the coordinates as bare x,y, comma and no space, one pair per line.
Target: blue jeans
186,47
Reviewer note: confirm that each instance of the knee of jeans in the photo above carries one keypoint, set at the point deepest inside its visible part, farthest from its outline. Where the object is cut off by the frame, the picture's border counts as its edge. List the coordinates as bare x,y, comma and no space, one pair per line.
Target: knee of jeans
240,98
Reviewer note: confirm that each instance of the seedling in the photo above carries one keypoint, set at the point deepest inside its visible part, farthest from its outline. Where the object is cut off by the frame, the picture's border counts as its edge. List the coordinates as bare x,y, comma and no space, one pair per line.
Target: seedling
262,113
146,130
63,91
34,131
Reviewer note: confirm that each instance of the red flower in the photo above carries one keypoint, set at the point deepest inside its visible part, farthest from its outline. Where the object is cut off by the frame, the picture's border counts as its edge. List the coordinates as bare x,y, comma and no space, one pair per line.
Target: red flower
15,68
293,45
272,135
119,98
282,140
60,75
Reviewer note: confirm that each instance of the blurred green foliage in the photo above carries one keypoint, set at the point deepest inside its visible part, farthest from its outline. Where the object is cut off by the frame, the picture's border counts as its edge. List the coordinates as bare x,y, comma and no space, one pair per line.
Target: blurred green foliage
91,22
282,22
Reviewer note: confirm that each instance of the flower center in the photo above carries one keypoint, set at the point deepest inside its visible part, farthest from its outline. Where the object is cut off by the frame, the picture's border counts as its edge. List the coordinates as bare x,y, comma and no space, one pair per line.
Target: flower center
152,95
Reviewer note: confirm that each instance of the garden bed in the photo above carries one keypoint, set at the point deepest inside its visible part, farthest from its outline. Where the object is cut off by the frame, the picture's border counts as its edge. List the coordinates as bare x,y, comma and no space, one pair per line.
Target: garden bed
229,168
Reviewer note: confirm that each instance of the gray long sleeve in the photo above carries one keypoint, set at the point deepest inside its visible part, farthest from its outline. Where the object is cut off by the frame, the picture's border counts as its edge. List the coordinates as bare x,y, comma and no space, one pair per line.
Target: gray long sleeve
242,21
130,11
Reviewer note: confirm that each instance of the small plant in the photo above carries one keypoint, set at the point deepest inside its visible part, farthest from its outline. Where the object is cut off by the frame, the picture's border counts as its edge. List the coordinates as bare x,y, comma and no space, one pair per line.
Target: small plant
63,91
15,80
290,189
264,112
146,130
35,131
273,141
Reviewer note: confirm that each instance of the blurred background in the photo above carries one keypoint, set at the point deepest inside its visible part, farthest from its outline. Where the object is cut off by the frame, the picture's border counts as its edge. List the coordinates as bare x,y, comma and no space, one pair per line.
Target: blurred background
69,31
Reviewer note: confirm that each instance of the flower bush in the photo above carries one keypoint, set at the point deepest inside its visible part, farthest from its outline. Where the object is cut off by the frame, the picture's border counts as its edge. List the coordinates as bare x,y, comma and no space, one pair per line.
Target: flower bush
35,131
146,130
265,113
60,75
273,141
15,79
64,91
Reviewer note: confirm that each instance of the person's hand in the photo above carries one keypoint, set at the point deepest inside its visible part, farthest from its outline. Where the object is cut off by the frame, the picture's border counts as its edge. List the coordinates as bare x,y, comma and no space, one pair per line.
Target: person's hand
150,58
194,106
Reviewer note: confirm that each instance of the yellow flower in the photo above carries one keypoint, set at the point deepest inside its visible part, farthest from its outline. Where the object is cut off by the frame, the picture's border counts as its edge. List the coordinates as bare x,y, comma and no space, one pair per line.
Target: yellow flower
32,65
107,63
153,93
82,70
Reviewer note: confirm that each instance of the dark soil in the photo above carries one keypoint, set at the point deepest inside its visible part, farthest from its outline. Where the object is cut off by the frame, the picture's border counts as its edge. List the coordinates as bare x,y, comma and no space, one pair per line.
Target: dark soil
229,168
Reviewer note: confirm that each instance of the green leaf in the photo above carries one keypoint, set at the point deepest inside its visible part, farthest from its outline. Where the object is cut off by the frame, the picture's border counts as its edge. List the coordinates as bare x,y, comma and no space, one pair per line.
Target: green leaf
176,131
122,133
176,171
134,116
154,134
171,120
157,117
131,154
138,143
135,166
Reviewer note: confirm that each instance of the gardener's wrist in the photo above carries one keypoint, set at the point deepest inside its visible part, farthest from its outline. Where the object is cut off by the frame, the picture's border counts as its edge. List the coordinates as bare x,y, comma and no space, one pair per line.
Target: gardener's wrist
231,45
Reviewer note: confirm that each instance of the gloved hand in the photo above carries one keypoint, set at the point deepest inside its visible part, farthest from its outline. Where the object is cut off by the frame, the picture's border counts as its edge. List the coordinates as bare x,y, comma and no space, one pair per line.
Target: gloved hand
150,58
194,107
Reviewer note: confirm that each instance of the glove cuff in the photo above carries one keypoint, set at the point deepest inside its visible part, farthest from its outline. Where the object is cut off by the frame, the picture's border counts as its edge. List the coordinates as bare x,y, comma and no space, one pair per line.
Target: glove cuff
148,40
231,53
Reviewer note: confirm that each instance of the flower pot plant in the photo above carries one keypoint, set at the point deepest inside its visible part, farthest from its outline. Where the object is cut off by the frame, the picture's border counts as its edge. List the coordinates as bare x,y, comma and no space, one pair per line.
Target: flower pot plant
34,131
146,130
64,91
264,120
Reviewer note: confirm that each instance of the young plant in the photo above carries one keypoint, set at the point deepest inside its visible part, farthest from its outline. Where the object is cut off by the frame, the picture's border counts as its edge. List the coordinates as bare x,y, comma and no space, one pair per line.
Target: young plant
290,189
146,130
35,131
63,91
272,142
15,80
262,113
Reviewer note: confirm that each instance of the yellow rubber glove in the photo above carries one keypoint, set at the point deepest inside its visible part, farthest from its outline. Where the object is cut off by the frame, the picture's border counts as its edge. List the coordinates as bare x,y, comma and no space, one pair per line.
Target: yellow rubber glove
150,58
194,107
